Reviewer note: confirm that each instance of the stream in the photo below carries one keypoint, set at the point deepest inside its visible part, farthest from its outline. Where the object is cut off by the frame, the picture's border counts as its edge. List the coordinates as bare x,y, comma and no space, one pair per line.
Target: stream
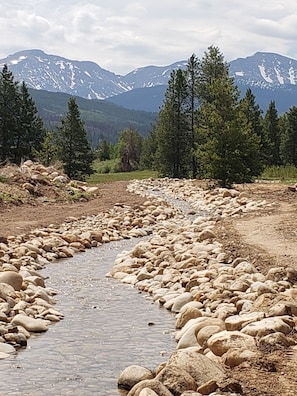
107,326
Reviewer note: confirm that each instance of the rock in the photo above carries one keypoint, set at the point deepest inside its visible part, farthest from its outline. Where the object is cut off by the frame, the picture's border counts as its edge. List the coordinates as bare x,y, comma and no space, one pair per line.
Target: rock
60,179
132,375
237,322
29,187
185,315
205,333
7,349
17,339
206,234
176,379
234,357
147,392
197,365
220,343
4,355
267,326
153,385
30,324
7,291
187,337
244,267
208,387
274,341
12,278
180,301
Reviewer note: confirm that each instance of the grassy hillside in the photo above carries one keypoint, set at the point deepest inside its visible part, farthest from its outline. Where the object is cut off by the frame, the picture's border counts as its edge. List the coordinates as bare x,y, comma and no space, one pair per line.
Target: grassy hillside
103,120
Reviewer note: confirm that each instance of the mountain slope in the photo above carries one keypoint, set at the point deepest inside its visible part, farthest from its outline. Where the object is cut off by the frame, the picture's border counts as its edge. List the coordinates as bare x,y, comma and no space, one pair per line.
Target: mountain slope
145,99
103,120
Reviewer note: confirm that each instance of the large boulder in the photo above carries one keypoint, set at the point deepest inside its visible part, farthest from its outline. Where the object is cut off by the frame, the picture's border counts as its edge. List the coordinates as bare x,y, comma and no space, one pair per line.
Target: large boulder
7,291
237,322
222,342
199,367
188,335
180,301
176,379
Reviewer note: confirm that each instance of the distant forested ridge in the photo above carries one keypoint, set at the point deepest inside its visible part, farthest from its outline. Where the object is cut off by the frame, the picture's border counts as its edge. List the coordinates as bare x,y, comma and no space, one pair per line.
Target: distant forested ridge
103,120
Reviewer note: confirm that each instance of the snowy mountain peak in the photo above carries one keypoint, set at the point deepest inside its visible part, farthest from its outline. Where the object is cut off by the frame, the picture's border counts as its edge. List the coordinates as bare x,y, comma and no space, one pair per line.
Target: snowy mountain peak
57,74
265,69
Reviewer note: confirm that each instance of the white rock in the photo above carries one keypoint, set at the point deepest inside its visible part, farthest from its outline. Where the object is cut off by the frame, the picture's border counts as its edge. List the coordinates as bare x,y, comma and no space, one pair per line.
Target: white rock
267,326
237,322
221,342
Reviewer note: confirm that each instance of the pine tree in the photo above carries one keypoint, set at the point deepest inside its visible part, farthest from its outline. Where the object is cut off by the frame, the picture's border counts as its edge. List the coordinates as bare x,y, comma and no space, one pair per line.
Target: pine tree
75,150
103,151
49,148
30,132
192,75
149,149
129,146
228,150
173,156
253,114
272,133
211,67
288,146
9,114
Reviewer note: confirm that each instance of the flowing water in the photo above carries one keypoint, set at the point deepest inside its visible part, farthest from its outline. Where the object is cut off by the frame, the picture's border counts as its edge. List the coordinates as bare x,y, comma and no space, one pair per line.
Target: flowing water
107,327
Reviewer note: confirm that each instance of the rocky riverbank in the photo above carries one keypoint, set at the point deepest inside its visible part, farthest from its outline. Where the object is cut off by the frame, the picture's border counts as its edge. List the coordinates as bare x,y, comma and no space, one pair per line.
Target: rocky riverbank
227,312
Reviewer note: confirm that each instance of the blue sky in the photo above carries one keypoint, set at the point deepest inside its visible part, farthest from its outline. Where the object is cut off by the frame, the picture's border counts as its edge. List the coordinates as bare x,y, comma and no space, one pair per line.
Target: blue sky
121,35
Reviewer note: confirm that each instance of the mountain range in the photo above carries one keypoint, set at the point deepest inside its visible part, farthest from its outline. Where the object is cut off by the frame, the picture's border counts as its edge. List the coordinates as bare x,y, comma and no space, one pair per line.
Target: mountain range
110,102
270,76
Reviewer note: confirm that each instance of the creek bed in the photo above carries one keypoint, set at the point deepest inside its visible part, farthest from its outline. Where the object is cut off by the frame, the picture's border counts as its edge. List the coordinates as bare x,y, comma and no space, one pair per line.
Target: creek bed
107,327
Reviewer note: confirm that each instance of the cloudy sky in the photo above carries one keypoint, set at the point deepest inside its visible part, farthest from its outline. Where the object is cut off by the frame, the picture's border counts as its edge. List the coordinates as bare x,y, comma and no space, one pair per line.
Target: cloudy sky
121,35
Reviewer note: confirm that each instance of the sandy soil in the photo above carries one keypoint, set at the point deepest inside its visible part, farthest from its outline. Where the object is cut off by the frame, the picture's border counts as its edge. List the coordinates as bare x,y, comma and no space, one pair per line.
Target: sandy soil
267,238
19,219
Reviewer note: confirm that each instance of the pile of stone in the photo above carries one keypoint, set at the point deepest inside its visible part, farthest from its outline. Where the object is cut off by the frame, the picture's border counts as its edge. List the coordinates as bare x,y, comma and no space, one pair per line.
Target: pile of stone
227,312
36,179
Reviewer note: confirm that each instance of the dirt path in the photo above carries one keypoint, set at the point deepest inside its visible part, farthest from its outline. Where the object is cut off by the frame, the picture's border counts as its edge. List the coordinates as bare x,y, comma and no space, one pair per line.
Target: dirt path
268,239
274,233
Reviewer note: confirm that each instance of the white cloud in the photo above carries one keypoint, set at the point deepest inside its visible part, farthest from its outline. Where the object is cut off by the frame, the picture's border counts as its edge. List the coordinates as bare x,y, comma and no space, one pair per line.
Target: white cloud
122,35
